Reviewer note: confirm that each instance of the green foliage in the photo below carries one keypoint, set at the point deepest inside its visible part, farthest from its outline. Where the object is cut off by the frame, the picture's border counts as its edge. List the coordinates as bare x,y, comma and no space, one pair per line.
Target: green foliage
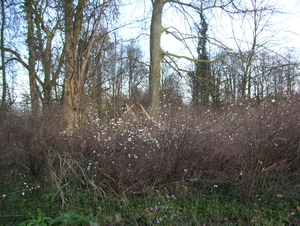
71,217
40,220
171,206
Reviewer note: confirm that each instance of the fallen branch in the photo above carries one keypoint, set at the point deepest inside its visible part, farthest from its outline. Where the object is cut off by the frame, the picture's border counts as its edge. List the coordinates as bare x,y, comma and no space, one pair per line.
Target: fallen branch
128,109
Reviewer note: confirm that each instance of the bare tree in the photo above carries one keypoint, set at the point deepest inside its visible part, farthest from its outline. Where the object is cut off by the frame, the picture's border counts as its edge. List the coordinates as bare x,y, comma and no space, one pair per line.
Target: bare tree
136,71
100,59
156,52
4,83
42,70
256,17
76,62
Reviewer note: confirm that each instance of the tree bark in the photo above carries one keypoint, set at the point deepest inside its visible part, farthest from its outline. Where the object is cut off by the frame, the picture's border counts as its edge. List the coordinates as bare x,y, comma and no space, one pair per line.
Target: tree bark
72,83
34,90
76,63
156,55
4,84
202,80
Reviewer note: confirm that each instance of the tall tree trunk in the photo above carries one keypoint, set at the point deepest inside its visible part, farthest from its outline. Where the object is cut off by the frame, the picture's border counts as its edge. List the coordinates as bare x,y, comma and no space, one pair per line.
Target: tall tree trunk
202,84
4,84
72,83
75,66
46,59
156,54
34,90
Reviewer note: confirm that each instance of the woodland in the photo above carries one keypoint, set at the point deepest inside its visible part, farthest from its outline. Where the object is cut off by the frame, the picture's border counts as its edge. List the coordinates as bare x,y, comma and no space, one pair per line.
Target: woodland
131,112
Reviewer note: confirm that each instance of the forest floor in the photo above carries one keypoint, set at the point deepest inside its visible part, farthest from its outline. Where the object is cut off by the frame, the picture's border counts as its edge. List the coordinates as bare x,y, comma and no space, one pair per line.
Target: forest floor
26,200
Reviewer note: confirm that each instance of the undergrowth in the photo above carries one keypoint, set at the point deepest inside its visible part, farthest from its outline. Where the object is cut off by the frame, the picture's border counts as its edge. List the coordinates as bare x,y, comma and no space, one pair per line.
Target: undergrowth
233,165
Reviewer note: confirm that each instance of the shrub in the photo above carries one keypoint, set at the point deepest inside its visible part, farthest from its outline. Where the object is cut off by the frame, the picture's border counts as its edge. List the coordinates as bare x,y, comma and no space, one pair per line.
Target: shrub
250,145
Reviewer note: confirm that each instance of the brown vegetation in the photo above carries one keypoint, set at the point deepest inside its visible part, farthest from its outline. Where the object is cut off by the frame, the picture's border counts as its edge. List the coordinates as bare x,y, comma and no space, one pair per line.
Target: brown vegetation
255,146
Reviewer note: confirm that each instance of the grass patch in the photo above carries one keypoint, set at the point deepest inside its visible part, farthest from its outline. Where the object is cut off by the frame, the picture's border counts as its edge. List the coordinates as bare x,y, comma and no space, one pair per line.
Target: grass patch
220,205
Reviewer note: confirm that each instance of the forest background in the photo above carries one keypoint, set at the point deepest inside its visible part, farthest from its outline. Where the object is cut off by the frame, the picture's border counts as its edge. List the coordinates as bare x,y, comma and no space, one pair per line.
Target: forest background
212,52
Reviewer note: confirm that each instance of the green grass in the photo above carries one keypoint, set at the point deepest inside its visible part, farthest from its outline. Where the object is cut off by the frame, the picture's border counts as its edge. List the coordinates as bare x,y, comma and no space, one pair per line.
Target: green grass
221,205
27,201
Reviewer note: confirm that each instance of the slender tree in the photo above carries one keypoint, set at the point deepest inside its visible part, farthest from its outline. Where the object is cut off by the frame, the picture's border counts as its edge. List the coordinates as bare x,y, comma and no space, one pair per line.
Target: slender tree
34,90
201,79
156,54
4,83
254,40
136,70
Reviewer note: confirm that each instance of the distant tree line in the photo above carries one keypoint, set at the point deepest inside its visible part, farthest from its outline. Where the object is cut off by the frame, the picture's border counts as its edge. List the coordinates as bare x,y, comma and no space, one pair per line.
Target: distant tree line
76,62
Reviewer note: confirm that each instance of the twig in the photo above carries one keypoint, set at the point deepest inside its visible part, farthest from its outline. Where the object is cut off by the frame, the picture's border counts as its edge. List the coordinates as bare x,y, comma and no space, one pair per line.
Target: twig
129,110
146,113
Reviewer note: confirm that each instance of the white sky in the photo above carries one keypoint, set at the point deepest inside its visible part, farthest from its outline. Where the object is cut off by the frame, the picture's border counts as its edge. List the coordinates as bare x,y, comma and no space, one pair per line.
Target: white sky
287,26
283,32
284,28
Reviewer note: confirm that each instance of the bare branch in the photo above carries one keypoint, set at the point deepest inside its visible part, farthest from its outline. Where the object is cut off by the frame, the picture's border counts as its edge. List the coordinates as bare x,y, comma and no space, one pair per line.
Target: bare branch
193,59
17,55
174,68
200,8
6,62
20,60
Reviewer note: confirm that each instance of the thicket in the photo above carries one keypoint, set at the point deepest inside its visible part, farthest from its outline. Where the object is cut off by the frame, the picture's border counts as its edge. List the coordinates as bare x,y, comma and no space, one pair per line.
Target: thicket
253,147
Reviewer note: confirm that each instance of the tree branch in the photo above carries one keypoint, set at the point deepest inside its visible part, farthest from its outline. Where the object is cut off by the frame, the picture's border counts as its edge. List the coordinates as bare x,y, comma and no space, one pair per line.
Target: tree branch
200,8
20,60
195,60
6,62
174,68
17,55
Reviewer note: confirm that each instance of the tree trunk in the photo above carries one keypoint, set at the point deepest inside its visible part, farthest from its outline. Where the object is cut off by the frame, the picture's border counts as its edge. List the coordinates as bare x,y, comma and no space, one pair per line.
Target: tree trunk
4,89
76,62
156,54
46,62
202,84
73,84
34,91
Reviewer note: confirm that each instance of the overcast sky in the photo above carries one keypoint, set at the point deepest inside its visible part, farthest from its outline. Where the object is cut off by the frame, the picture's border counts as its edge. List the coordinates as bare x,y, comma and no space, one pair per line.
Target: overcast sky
284,30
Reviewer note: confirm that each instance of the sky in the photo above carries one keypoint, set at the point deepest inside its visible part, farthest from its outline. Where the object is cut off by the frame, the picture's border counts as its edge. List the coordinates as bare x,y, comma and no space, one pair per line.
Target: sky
282,30
284,27
135,18
292,22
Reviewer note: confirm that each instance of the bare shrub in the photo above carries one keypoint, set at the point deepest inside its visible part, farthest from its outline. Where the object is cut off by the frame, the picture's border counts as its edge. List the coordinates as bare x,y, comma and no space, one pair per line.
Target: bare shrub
250,145
263,141
33,138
